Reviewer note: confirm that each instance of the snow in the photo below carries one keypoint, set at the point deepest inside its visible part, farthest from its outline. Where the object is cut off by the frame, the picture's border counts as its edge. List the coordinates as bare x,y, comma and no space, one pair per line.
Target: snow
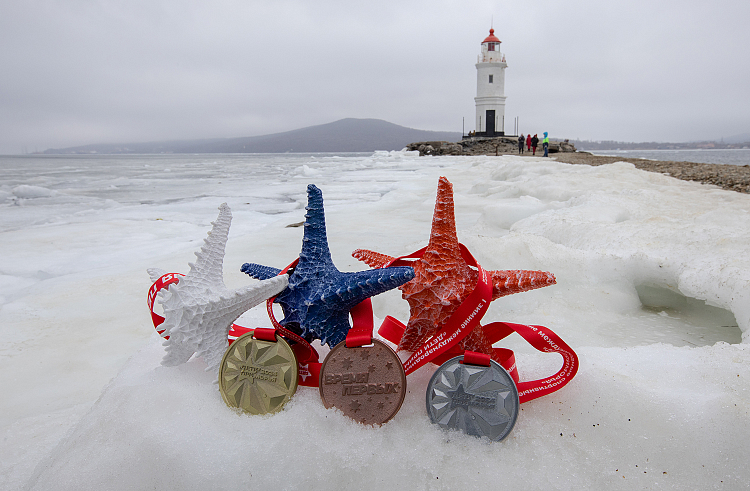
31,192
653,293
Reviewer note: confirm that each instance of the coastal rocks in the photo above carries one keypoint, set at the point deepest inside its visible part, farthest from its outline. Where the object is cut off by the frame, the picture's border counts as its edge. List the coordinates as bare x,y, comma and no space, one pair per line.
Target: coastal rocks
564,146
729,177
500,145
436,148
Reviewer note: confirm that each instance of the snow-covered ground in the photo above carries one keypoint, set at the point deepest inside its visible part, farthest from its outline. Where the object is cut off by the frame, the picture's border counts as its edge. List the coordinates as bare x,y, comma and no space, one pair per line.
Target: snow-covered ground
653,293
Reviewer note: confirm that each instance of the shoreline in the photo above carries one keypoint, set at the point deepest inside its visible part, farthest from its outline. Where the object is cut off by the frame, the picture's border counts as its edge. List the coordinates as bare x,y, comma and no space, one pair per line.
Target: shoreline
729,177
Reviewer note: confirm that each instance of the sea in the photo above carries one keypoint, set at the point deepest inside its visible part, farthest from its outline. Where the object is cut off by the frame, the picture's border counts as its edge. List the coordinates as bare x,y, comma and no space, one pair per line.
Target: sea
652,293
727,156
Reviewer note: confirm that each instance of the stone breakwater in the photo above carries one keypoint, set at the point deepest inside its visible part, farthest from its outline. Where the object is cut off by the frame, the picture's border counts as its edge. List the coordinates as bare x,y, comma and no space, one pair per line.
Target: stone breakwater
483,146
730,177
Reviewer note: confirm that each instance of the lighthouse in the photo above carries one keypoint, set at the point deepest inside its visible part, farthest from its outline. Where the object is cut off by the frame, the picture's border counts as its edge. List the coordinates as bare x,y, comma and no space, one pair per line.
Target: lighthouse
490,99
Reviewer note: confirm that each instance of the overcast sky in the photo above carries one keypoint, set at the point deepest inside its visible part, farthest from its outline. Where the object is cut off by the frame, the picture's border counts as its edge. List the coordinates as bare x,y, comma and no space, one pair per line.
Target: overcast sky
74,72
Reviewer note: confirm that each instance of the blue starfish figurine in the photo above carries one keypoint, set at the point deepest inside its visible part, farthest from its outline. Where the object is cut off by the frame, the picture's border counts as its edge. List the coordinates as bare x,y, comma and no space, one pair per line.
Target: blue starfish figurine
317,302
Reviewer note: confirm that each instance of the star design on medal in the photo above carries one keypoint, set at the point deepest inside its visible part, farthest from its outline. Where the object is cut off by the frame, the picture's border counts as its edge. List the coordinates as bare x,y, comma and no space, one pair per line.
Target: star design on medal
317,302
475,399
347,363
355,405
242,389
443,280
459,394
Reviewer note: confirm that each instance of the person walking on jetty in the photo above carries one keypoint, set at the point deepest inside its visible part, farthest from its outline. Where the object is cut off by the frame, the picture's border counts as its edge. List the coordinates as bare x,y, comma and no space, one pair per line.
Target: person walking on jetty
534,143
528,142
520,144
545,144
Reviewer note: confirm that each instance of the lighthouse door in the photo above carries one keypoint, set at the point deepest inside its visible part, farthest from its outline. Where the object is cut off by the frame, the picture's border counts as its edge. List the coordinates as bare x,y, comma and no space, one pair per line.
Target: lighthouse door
490,122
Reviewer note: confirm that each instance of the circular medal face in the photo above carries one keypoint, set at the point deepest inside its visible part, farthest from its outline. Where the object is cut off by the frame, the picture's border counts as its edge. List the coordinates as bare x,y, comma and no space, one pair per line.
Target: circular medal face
480,401
258,376
367,383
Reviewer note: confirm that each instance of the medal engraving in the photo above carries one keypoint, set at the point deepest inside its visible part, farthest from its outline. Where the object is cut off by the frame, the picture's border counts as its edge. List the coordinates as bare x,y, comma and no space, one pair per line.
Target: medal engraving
258,376
366,383
480,401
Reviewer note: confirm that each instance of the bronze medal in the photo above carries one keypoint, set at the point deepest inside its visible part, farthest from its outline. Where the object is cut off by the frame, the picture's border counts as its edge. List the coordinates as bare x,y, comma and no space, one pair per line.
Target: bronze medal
258,376
366,383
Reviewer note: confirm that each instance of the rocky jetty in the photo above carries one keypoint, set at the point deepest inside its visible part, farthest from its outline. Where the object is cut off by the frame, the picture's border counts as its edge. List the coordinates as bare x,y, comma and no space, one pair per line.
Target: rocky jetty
730,177
500,145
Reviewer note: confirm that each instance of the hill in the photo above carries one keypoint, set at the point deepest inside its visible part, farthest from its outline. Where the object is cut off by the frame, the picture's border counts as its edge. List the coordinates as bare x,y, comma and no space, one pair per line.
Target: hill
345,135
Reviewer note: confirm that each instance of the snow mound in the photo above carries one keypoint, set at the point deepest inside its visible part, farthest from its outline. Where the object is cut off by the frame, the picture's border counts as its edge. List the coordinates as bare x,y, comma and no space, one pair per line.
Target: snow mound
26,191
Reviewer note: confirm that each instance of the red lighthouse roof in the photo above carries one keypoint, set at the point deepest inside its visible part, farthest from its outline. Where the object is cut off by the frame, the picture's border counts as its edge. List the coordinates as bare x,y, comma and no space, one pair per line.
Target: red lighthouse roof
491,38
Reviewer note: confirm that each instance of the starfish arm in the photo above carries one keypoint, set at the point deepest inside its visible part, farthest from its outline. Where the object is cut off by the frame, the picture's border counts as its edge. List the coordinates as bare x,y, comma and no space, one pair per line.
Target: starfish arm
516,281
372,258
319,296
259,272
443,237
155,273
183,340
202,327
199,309
364,284
214,342
332,329
210,259
315,252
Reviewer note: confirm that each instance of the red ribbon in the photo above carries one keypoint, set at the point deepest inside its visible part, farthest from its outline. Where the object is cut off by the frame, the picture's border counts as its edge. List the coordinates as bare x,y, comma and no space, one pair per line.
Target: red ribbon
302,349
162,282
459,324
444,344
540,337
307,357
362,325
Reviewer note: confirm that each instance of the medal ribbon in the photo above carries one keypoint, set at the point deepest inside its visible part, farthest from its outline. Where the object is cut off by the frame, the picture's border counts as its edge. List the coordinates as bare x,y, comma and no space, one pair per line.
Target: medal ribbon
359,335
308,366
459,324
443,345
307,357
545,340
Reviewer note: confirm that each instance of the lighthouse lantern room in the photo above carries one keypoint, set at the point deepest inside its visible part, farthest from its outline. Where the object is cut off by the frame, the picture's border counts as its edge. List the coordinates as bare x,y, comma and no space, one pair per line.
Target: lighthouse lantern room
490,99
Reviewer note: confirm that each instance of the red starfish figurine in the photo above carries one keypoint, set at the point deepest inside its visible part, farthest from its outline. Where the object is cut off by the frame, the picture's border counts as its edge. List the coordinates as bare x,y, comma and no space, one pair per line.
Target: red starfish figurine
443,279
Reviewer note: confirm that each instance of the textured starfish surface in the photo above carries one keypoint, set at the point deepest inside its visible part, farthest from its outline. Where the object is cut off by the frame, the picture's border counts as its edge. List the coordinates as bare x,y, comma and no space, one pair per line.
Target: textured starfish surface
443,279
317,302
200,309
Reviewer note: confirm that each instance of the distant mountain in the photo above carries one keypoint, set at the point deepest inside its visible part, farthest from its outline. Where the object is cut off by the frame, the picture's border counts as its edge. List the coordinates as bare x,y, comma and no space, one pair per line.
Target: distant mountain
741,138
345,135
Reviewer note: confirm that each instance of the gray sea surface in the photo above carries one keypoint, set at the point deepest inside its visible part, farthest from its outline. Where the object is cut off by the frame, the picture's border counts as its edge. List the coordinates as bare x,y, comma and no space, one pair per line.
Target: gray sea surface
727,156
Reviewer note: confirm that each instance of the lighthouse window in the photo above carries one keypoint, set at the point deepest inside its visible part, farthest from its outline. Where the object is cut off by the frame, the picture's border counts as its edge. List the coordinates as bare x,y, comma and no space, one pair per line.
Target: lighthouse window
490,78
490,46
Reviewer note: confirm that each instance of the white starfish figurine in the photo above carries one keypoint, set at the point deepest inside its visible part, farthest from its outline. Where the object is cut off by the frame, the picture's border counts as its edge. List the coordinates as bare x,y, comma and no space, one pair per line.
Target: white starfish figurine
200,309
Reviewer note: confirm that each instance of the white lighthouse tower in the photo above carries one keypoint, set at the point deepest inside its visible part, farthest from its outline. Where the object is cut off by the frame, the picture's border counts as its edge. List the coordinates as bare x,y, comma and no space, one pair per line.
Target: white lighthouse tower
490,99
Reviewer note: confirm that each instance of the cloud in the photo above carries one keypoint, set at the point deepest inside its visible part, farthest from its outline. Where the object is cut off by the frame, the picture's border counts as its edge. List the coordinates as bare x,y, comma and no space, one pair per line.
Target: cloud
78,72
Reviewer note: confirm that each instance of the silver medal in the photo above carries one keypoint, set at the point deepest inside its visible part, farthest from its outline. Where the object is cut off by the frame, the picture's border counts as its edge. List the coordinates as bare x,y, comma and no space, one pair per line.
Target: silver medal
480,401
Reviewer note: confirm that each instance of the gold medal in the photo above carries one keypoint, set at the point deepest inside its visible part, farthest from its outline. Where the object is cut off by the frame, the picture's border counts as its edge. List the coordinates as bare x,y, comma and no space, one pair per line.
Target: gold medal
366,383
258,376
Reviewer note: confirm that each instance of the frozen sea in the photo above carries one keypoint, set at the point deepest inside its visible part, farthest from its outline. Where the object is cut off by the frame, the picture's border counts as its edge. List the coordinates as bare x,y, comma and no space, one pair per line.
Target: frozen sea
653,293
725,156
